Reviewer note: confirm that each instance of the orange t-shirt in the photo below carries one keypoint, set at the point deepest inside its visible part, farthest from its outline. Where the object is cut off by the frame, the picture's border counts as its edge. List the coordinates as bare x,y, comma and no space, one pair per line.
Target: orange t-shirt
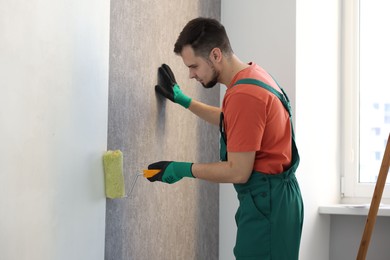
256,120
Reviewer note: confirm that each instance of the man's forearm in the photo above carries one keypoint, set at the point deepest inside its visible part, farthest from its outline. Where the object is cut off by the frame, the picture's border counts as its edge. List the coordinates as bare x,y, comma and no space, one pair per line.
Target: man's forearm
208,113
237,170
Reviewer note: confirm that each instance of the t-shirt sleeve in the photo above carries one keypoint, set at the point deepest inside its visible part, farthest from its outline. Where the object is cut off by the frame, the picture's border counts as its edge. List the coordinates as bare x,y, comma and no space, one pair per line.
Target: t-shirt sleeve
245,117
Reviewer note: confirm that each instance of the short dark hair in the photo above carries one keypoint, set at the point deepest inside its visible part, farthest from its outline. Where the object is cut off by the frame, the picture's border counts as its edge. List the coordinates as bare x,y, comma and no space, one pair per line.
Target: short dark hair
203,34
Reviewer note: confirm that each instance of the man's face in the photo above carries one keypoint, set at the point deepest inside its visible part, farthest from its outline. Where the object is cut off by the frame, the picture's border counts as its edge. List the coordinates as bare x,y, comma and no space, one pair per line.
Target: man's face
200,68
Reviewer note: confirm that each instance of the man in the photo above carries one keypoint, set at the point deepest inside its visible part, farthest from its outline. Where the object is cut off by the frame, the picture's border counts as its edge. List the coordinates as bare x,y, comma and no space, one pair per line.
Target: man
258,152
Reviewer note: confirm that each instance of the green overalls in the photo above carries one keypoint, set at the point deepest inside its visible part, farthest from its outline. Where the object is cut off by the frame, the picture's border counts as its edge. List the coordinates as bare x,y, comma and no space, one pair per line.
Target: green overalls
270,215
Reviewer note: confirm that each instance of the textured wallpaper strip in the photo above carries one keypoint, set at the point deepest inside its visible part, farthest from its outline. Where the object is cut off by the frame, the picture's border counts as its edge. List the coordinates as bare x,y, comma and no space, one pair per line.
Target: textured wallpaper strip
159,221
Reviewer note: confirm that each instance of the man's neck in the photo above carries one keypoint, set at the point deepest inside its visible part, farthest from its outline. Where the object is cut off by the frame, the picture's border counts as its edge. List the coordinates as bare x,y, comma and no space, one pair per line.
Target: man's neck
231,66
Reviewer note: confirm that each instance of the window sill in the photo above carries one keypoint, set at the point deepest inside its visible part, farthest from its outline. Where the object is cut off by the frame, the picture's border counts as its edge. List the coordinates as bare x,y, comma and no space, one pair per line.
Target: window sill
353,209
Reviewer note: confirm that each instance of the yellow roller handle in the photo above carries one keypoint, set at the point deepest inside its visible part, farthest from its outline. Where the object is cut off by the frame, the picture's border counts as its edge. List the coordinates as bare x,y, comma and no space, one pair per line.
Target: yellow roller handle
150,173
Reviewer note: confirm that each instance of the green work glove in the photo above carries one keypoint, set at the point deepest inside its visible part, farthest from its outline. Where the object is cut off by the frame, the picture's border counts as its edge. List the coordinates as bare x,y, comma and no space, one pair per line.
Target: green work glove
171,172
168,87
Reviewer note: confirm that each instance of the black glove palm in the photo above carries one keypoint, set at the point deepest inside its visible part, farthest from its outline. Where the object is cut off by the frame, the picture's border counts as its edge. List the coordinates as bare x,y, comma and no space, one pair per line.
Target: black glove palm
168,87
170,172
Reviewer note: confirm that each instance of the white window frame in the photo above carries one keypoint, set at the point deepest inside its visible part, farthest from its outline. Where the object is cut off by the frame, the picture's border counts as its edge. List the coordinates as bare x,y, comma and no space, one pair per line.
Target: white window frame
351,189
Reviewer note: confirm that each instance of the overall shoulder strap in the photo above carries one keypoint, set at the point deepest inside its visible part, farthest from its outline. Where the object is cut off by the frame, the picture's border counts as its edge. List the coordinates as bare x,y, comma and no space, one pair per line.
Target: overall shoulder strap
282,96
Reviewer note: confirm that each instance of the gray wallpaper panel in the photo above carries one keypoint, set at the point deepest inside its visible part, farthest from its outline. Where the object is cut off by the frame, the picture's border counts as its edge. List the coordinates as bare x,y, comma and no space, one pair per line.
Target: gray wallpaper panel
158,221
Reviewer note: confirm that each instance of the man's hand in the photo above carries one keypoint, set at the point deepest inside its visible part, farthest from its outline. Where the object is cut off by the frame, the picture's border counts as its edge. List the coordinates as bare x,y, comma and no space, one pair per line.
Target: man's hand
170,172
168,87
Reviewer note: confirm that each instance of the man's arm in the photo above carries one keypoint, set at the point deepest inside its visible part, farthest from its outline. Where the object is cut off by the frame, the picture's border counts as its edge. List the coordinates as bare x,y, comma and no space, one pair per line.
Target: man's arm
236,170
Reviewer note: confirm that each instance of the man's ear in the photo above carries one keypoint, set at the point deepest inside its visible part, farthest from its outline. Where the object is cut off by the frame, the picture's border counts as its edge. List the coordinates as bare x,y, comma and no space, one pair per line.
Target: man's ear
216,55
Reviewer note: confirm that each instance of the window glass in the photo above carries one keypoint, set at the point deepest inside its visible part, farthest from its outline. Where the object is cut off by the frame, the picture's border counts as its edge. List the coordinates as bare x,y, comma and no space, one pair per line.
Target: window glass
374,86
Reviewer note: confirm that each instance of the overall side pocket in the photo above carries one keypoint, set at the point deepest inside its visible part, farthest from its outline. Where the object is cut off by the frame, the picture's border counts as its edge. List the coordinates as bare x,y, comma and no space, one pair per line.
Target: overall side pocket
253,226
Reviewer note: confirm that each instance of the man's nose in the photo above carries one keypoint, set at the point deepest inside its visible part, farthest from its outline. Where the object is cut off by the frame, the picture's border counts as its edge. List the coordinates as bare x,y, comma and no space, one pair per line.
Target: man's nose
191,74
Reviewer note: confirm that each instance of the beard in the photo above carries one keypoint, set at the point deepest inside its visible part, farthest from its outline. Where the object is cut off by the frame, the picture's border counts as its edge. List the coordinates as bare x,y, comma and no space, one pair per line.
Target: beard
214,79
211,83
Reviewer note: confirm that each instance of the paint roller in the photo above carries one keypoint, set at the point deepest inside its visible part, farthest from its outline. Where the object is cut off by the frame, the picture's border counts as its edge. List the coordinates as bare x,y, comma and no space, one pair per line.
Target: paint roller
113,175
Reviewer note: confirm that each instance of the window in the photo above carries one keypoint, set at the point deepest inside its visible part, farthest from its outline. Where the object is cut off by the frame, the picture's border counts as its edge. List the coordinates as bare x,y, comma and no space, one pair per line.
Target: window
365,56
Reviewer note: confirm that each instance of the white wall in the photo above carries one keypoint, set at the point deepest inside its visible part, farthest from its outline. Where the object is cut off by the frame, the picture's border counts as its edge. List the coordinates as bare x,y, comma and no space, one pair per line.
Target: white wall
296,41
346,233
53,116
318,119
